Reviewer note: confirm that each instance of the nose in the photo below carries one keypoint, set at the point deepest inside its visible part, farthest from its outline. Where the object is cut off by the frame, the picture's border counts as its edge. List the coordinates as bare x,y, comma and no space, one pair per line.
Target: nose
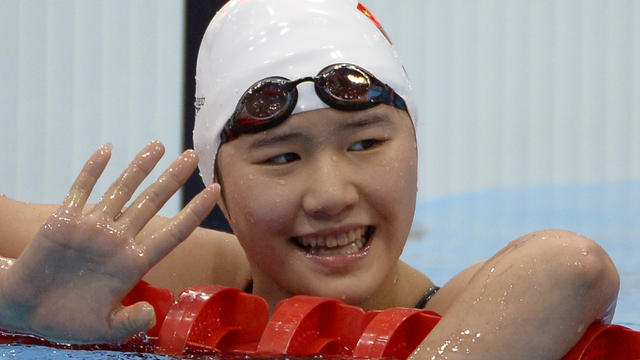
331,190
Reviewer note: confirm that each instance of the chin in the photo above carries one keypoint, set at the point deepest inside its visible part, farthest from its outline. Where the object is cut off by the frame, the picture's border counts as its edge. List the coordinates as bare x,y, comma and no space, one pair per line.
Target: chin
354,291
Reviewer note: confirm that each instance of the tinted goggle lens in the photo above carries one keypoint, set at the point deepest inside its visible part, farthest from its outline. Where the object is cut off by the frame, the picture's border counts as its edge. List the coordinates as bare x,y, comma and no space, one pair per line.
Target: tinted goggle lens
344,84
266,100
266,104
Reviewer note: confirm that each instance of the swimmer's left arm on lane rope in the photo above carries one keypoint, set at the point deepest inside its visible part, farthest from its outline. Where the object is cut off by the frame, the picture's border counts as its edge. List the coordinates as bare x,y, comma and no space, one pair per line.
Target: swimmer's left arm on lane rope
532,300
68,283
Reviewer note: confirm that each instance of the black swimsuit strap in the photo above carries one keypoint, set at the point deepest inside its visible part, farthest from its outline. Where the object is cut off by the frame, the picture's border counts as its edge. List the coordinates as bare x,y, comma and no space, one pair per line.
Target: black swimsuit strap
427,296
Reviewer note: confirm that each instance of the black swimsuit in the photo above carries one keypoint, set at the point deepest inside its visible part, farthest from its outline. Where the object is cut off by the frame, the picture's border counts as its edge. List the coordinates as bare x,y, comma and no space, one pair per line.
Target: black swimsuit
427,296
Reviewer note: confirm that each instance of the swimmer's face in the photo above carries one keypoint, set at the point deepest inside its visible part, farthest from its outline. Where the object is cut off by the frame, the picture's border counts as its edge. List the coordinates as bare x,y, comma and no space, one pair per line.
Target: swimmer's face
323,203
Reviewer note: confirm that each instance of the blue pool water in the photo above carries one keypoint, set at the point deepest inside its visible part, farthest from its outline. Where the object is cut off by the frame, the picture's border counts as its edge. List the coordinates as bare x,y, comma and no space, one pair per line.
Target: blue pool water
41,352
452,233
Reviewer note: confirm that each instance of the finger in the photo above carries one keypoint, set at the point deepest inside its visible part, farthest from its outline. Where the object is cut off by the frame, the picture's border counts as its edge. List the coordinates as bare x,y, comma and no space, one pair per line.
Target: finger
86,180
123,188
156,195
182,225
133,319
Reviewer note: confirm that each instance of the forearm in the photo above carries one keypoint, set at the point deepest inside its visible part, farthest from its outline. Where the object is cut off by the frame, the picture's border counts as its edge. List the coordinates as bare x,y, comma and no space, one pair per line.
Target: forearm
533,300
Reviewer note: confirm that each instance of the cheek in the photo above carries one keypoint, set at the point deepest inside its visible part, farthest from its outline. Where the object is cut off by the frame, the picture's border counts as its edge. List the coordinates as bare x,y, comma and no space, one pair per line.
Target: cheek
258,206
397,174
394,194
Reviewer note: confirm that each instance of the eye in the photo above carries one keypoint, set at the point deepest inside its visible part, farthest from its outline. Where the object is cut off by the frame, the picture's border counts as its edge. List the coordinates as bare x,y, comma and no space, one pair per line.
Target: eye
282,159
365,144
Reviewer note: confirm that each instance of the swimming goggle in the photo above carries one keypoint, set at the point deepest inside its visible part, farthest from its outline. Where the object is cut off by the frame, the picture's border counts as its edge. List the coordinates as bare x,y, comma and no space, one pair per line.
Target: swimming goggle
270,101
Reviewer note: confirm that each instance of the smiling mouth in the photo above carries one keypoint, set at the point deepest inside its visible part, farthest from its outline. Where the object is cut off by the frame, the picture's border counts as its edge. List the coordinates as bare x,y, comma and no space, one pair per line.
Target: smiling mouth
349,242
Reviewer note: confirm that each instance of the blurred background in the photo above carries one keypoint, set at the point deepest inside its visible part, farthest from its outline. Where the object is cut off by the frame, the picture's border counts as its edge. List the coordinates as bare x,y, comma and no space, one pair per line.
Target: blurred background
529,112
511,93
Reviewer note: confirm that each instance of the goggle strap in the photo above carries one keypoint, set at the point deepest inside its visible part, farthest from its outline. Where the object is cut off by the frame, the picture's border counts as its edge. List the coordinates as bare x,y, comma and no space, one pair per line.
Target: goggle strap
226,135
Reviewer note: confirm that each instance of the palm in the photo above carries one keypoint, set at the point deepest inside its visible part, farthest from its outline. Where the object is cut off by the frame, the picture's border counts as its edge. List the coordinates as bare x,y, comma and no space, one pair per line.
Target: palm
69,282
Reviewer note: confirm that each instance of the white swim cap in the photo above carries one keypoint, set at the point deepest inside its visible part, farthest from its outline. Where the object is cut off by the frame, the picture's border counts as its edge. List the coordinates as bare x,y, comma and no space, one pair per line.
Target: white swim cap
249,40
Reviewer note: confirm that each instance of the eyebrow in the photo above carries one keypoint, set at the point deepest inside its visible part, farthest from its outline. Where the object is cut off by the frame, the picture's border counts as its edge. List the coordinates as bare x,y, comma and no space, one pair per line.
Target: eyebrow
366,121
278,138
294,136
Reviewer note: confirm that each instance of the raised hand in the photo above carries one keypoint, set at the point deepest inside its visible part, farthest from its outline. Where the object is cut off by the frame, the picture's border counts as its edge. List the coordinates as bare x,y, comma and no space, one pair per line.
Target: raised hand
68,283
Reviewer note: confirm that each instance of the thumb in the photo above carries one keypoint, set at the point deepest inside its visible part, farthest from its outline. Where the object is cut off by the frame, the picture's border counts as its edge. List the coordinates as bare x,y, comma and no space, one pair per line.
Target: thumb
133,319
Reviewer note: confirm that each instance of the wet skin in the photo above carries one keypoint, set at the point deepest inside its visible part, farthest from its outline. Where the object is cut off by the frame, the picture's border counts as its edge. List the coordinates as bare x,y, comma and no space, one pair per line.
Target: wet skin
322,174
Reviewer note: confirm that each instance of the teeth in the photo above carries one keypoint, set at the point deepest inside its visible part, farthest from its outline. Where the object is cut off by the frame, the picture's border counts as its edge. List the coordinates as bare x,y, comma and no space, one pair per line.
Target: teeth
345,243
343,240
332,241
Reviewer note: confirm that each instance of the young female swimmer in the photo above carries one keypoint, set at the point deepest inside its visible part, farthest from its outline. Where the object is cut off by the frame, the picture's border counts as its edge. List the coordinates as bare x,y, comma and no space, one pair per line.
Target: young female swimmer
318,178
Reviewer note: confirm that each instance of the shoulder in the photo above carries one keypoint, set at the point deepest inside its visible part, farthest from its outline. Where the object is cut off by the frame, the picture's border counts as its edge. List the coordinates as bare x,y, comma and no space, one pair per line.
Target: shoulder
205,257
448,293
555,247
19,222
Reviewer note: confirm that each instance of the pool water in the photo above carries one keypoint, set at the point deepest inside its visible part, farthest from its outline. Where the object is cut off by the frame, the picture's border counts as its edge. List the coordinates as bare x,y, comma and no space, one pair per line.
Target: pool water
452,233
41,352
